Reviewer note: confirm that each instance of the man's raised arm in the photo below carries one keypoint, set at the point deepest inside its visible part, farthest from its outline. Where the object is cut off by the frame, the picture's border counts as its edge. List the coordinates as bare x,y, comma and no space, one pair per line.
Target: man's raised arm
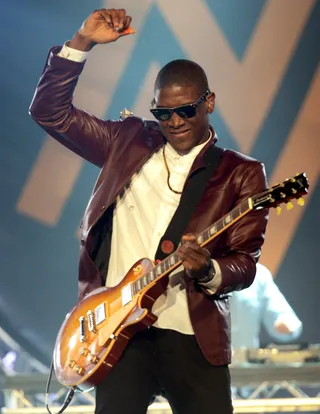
52,106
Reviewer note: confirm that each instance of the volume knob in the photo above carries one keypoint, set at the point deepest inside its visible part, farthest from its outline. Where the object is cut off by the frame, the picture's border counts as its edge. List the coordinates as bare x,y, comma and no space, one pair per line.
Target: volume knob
79,369
72,363
84,351
93,358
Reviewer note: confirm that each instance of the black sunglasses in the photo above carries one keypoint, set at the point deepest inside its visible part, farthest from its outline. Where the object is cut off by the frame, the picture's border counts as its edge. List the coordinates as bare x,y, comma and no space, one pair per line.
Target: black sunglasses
184,111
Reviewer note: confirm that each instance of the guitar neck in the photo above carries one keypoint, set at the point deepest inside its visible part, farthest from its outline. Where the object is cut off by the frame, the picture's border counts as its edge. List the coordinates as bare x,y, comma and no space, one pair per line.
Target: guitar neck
206,236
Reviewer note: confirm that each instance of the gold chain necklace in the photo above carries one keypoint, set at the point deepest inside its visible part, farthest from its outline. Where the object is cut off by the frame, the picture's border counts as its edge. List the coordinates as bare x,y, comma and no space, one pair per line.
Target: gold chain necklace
168,172
167,167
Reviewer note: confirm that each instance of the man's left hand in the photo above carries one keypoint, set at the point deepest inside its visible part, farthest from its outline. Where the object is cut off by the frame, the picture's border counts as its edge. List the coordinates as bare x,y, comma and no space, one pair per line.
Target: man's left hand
195,259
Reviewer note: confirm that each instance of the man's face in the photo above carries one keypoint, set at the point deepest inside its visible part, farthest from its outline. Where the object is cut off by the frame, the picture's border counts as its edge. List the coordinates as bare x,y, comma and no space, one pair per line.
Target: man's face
184,133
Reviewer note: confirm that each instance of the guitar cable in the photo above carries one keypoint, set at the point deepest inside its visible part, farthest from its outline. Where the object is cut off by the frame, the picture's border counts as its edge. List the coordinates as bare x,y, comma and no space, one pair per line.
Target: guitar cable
68,398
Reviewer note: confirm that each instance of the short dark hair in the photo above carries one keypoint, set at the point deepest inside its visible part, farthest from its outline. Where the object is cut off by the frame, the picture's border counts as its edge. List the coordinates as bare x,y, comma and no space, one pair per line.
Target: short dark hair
182,72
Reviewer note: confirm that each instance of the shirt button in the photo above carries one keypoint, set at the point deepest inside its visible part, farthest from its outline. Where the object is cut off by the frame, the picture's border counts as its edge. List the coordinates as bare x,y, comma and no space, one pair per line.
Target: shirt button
131,208
103,207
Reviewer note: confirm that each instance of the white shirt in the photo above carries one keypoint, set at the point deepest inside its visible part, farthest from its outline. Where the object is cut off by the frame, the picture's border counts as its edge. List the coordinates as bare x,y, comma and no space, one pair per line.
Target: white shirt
141,216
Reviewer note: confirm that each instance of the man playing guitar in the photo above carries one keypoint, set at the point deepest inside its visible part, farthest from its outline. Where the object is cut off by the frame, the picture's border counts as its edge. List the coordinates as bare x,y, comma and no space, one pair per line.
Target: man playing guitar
148,171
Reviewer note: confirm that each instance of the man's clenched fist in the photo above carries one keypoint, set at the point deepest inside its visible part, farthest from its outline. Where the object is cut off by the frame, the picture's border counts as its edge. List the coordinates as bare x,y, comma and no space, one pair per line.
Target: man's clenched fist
102,26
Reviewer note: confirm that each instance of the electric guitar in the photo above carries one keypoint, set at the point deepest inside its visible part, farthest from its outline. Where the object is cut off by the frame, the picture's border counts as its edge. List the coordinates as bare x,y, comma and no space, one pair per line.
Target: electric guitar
96,331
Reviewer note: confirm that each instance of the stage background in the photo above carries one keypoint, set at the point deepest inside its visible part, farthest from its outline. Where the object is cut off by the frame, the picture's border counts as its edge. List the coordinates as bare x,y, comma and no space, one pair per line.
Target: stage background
262,59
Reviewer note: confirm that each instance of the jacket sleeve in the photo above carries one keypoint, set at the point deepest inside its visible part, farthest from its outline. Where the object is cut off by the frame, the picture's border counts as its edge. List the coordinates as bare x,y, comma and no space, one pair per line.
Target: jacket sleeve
244,238
52,109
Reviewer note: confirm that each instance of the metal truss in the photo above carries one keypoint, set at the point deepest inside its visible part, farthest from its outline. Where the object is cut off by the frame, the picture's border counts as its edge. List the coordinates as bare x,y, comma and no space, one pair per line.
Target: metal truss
256,389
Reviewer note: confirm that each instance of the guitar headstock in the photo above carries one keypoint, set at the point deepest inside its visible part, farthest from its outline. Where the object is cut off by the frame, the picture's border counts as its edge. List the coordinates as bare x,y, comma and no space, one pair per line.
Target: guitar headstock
292,188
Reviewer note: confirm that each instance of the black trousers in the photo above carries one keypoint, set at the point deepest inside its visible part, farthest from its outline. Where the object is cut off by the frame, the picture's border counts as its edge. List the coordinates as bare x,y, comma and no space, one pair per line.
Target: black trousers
159,361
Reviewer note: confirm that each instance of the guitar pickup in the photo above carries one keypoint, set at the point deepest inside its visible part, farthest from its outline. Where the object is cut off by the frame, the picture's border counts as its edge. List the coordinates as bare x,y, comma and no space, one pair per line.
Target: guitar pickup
100,313
126,294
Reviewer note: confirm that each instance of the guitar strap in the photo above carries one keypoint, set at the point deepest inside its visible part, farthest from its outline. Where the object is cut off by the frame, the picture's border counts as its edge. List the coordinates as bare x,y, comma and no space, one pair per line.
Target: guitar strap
190,198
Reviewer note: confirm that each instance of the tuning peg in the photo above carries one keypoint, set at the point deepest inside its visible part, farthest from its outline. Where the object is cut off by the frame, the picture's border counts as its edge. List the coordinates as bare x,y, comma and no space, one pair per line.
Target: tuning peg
289,205
278,210
300,201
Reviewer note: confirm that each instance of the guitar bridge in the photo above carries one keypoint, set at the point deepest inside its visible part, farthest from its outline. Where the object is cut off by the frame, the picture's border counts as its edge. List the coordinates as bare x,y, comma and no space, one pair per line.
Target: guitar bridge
91,324
82,329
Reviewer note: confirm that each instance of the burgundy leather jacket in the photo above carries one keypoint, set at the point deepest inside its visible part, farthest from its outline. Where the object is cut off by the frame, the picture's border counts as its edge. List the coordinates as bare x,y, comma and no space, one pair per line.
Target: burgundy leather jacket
120,148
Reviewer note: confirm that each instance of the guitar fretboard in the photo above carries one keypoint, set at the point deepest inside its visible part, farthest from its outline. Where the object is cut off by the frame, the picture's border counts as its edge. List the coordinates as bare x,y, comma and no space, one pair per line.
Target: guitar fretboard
173,261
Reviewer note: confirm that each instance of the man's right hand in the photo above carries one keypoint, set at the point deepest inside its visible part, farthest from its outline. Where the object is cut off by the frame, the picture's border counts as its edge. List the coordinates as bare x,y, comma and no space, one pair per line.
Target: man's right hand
102,26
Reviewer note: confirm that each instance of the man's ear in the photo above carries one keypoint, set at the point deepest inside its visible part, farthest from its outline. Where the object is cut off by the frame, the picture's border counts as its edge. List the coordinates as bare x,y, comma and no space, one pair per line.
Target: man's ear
211,102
